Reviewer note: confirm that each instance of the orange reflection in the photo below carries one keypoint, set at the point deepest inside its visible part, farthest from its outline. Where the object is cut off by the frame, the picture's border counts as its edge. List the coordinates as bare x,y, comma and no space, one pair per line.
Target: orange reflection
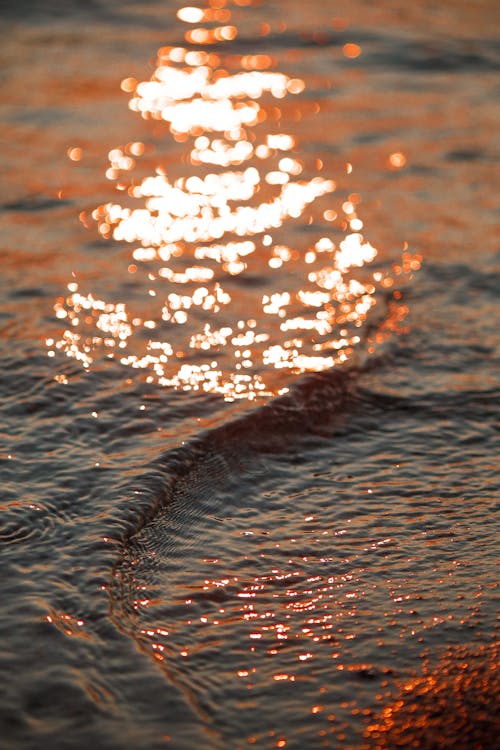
68,624
351,50
452,705
75,153
397,160
225,300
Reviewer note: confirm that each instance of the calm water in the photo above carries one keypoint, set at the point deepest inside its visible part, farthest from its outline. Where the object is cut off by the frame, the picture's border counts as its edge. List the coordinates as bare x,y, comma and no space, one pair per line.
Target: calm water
249,382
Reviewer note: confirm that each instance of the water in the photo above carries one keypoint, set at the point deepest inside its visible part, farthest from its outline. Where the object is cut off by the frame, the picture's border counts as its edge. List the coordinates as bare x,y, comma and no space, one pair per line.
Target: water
281,530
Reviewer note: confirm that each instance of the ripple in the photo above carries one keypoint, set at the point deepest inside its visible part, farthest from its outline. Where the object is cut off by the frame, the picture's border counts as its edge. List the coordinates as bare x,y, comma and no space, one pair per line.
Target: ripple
452,704
301,579
26,522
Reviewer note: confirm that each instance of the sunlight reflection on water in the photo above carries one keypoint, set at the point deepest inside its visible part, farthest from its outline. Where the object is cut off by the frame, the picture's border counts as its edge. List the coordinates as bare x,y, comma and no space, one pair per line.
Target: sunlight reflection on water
176,572
225,297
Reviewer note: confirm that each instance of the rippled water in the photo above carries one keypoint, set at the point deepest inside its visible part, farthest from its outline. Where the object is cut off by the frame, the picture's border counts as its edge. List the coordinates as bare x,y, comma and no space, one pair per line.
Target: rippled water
249,375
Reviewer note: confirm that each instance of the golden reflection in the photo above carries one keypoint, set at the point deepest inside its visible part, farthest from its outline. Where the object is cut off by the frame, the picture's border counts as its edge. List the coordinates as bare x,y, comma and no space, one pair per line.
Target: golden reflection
452,704
75,153
68,624
222,299
351,50
397,160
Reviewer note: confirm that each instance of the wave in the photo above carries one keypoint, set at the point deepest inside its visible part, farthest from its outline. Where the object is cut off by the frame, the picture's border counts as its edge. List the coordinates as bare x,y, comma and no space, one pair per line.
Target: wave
319,404
225,483
313,405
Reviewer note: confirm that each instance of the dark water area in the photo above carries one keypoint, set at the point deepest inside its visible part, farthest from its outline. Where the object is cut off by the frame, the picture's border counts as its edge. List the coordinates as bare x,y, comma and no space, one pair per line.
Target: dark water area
249,375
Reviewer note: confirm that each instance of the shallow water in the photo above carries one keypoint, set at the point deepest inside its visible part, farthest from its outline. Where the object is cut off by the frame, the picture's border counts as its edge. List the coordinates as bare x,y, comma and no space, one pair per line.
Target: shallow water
264,532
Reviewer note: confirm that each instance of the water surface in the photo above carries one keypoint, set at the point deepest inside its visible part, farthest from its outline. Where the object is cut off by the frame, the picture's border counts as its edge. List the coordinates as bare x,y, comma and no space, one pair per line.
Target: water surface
249,375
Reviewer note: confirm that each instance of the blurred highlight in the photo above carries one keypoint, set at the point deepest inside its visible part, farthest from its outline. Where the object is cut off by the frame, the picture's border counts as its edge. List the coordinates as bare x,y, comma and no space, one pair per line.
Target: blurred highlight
226,301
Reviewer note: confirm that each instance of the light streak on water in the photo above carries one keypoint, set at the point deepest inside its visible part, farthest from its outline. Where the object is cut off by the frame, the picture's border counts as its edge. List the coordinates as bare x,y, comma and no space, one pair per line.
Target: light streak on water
227,298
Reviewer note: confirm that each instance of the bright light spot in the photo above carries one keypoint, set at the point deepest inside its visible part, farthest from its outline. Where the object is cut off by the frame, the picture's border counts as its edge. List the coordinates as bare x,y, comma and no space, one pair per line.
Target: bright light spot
190,14
75,153
351,50
397,160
